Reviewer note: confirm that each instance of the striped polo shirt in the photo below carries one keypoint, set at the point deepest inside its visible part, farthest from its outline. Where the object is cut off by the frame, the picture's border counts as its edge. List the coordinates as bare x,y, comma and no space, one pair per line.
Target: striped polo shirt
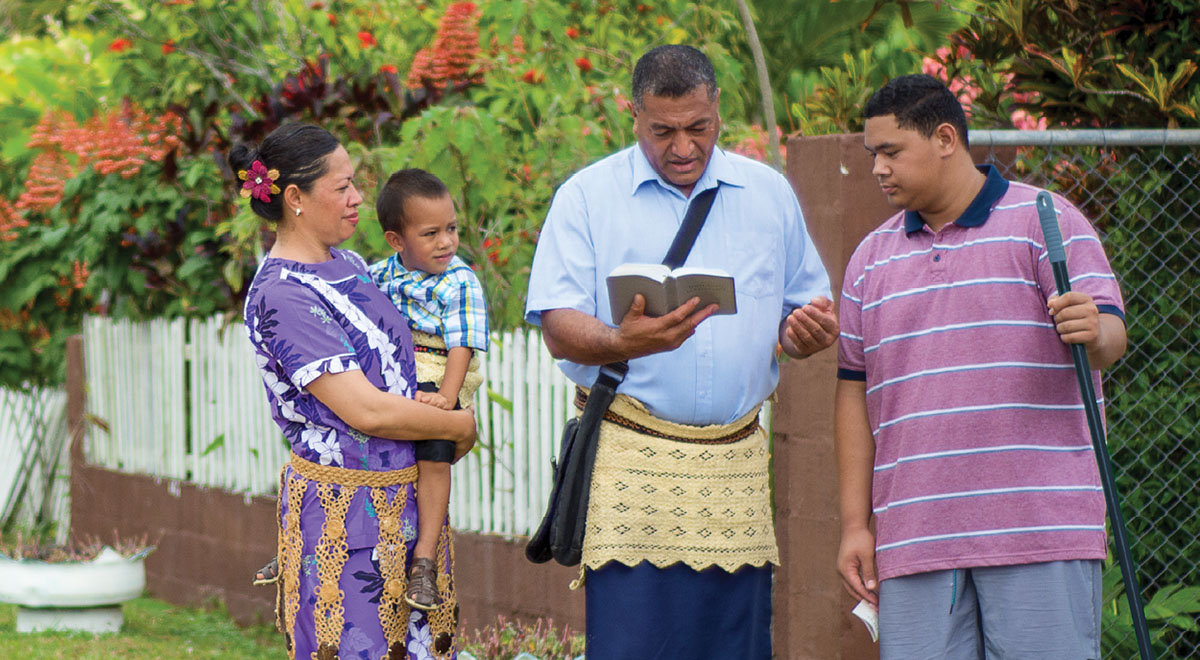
982,450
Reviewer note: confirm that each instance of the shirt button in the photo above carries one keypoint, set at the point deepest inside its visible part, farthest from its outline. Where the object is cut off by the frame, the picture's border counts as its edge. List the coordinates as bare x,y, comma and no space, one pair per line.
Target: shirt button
937,257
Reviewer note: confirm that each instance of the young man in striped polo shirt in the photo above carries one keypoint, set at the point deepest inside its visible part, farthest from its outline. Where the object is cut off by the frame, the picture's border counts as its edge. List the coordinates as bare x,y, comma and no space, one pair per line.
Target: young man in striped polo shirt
959,424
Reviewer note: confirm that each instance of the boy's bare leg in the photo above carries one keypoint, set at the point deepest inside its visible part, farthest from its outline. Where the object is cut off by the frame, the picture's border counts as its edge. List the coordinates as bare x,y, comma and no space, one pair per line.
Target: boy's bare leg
433,504
433,501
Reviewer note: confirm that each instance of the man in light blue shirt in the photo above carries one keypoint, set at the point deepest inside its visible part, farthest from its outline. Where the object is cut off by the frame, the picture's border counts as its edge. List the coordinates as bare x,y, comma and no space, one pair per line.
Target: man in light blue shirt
689,372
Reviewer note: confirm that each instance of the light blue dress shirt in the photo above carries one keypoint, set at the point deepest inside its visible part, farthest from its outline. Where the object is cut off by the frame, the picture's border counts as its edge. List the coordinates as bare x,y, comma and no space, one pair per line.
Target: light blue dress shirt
619,210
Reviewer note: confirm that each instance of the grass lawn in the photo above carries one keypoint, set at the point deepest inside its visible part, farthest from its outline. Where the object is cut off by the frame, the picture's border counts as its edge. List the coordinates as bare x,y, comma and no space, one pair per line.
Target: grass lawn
154,630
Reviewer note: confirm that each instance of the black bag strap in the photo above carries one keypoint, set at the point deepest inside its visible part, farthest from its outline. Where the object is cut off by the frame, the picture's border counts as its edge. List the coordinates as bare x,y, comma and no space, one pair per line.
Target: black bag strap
560,534
693,220
677,254
566,540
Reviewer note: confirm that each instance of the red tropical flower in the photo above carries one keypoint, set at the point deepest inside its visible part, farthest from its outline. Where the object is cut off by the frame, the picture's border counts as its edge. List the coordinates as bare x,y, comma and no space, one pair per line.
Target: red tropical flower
332,18
492,245
533,76
572,33
366,39
120,45
389,68
168,47
260,182
584,64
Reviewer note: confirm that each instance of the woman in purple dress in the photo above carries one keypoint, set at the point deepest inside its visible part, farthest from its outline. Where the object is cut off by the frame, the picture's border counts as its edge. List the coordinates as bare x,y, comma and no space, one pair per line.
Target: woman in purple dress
337,360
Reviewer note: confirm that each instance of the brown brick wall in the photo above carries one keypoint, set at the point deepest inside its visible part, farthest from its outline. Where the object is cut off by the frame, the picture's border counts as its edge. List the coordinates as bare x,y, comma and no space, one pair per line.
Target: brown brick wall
210,542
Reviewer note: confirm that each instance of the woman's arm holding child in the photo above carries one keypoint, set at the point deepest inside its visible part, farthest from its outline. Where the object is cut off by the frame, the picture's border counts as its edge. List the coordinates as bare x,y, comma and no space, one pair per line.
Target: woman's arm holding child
367,408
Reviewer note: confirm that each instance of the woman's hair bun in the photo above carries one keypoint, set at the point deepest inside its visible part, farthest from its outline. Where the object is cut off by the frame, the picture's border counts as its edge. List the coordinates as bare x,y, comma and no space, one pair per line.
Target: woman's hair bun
240,158
297,151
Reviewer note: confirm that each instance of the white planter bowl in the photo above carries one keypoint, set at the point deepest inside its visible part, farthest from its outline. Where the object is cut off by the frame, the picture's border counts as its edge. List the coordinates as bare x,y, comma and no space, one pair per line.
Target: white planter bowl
71,595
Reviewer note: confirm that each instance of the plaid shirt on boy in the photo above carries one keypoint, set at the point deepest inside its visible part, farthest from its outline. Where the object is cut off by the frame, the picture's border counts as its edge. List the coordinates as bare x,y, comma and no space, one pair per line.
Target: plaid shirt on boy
449,305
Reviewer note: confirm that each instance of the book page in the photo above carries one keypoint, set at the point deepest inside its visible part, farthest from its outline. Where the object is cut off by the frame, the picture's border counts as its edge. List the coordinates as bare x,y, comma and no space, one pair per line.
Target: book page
622,288
657,272
697,270
710,288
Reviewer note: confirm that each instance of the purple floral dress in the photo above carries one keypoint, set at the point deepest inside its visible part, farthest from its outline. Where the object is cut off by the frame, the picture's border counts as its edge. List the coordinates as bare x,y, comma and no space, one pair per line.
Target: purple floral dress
305,320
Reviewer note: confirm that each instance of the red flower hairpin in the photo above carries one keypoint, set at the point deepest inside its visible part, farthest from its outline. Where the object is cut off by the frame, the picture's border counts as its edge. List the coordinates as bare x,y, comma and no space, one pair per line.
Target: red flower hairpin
259,182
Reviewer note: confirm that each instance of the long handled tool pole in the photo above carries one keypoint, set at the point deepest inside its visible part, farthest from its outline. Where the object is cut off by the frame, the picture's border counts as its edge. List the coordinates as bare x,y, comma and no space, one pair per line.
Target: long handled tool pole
1083,373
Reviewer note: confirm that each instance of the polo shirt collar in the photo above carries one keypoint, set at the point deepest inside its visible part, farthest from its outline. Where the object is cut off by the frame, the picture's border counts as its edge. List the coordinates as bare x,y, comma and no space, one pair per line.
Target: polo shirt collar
980,208
719,169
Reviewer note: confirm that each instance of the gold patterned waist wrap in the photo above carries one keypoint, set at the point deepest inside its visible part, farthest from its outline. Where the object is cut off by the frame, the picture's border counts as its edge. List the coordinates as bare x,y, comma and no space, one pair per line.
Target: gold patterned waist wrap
336,488
666,493
430,352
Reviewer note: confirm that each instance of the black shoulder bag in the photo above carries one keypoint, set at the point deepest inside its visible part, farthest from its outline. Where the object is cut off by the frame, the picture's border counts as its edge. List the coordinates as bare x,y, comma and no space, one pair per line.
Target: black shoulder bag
560,534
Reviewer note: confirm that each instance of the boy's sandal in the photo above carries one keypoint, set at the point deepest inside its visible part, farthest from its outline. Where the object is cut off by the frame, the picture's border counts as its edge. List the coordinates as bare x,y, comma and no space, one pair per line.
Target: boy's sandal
268,574
422,585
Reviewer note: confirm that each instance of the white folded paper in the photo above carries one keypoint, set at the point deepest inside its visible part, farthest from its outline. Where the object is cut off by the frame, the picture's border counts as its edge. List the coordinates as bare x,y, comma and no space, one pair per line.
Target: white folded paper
869,615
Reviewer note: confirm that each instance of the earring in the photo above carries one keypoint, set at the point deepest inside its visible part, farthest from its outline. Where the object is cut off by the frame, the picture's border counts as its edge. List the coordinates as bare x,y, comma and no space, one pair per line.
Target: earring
297,211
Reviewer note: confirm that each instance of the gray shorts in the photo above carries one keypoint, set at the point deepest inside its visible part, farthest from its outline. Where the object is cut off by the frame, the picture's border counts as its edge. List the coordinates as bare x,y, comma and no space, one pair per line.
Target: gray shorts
1029,611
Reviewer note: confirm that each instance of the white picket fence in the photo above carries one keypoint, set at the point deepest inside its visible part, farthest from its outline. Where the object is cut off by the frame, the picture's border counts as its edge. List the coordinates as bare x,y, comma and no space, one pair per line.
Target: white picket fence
221,434
181,400
35,474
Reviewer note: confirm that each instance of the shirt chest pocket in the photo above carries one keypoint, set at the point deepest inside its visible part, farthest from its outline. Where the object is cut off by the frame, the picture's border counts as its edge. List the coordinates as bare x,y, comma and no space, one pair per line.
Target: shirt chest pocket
755,261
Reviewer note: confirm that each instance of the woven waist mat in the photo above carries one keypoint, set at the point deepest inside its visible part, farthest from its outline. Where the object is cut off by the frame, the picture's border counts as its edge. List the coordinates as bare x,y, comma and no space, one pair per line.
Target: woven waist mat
430,355
664,501
339,476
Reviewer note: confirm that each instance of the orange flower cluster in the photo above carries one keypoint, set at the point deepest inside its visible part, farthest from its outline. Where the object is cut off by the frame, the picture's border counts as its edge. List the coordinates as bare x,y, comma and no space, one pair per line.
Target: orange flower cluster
44,185
454,51
70,284
120,142
10,221
421,72
518,50
10,320
46,134
115,143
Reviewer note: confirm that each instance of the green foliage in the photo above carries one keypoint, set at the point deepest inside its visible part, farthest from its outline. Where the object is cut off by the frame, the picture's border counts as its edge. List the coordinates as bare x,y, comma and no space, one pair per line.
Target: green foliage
825,58
39,546
546,94
1088,63
1169,612
62,70
153,630
553,97
137,246
1099,63
505,640
1146,206
836,105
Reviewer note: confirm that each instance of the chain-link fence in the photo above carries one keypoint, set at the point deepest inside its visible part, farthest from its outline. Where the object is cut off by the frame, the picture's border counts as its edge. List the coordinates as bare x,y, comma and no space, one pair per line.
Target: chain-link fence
1141,188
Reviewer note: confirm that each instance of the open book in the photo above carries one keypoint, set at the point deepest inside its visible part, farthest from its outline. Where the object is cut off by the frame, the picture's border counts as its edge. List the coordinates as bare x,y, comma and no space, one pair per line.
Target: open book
666,289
